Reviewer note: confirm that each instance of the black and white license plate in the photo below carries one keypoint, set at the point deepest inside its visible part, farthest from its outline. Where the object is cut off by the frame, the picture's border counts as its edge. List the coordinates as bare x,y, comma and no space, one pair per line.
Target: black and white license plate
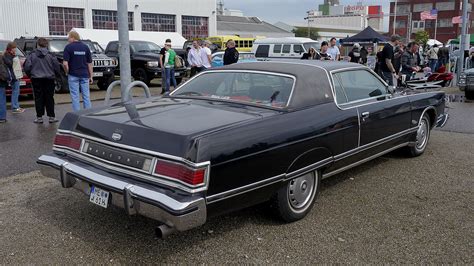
22,83
176,74
97,74
99,196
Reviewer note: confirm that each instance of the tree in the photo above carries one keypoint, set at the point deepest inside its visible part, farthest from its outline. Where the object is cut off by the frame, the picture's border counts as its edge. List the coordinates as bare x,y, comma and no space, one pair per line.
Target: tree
422,37
303,32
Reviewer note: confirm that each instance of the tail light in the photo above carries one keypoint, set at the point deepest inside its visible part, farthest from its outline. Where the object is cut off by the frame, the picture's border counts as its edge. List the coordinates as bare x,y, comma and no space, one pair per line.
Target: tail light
181,172
68,141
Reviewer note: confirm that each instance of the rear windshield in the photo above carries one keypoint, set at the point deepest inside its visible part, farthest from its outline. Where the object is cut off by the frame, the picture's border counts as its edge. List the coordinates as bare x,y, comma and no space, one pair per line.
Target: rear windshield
264,89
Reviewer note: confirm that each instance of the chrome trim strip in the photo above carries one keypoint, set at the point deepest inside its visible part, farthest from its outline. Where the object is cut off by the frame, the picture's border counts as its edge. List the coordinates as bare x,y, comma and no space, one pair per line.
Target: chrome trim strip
423,113
373,144
242,71
312,167
309,168
149,178
244,189
140,150
326,175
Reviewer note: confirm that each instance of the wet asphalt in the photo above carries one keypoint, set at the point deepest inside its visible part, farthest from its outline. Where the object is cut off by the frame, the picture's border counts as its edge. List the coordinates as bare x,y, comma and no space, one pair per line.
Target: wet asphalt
391,210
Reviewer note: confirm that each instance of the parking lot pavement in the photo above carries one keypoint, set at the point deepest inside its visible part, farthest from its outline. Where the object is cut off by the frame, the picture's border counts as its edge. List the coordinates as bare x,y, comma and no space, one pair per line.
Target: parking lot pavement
390,210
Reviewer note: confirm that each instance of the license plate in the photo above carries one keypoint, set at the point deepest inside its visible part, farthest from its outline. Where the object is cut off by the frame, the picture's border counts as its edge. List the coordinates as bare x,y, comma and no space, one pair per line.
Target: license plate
22,83
177,74
99,196
97,74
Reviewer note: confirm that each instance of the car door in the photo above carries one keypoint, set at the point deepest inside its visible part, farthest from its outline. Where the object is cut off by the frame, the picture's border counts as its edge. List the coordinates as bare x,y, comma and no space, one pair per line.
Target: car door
382,116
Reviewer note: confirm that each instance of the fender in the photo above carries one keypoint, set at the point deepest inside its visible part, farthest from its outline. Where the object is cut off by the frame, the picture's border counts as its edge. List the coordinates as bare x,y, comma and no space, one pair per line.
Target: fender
309,161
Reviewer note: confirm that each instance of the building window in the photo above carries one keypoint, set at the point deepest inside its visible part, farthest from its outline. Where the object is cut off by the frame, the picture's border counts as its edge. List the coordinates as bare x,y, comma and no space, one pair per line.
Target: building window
403,9
195,27
158,22
107,20
400,24
61,20
429,24
445,6
445,23
422,7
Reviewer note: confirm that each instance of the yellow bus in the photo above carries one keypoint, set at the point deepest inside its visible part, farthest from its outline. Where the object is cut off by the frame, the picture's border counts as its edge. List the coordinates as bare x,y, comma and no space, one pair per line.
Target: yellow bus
242,44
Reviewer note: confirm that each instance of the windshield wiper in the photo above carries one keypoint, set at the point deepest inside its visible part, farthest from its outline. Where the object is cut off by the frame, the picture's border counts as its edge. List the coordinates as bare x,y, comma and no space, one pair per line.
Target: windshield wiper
189,93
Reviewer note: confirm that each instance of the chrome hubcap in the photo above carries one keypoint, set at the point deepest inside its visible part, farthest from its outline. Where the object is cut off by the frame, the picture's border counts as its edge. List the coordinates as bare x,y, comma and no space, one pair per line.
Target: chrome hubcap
300,190
422,135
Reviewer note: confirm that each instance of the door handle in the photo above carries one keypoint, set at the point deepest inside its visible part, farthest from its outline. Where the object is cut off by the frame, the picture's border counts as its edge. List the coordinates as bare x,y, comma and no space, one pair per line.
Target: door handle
365,115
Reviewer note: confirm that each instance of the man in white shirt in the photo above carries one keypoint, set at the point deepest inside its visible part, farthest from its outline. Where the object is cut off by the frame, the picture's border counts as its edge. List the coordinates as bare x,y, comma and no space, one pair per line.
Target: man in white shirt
333,50
206,53
195,59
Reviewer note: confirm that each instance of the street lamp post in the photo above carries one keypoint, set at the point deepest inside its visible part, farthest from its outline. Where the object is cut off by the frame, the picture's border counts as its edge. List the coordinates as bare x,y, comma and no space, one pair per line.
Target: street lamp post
309,29
124,47
463,39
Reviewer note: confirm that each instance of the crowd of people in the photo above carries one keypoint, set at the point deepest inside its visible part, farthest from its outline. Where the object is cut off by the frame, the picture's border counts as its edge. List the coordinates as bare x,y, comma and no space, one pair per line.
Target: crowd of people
329,51
43,69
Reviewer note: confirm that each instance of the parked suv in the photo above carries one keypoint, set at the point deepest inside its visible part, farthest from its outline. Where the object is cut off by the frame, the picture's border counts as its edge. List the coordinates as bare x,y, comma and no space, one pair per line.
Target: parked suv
103,66
144,59
25,82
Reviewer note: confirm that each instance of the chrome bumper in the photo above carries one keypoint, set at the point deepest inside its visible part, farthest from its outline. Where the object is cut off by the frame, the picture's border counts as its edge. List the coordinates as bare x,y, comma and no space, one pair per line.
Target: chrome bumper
178,212
442,119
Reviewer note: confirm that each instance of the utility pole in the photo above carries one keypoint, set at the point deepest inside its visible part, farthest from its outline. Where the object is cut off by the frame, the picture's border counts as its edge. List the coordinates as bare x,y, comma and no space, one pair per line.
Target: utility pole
309,29
124,47
463,39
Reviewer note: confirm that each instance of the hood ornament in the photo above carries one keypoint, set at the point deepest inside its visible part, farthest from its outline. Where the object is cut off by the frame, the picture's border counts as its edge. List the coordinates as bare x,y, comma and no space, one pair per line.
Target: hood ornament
116,136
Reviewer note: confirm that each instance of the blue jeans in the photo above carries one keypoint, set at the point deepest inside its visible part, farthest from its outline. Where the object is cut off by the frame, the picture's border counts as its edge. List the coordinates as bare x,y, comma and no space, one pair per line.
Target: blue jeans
76,84
433,64
169,72
15,94
3,103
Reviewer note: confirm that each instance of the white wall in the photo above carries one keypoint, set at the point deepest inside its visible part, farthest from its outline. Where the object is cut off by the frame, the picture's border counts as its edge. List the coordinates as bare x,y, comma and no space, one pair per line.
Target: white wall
30,17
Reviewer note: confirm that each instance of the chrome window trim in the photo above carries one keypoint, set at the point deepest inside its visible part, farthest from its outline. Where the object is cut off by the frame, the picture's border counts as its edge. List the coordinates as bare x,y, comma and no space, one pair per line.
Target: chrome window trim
131,148
149,178
341,106
243,71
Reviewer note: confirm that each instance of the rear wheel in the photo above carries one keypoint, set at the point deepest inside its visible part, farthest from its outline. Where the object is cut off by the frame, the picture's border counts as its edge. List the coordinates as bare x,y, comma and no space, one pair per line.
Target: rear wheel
294,201
422,137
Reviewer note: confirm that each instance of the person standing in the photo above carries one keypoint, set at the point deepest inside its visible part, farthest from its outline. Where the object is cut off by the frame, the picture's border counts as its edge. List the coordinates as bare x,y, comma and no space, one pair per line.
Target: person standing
323,54
433,57
443,56
5,77
409,60
363,55
13,64
397,58
333,50
194,59
162,65
310,55
354,54
42,67
231,55
206,55
78,65
170,58
387,71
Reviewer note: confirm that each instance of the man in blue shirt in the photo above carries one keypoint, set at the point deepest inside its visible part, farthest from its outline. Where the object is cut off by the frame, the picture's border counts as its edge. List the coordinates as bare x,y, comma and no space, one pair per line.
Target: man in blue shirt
78,64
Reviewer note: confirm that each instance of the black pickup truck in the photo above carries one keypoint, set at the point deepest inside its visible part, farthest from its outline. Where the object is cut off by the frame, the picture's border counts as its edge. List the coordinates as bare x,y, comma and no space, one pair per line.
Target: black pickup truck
145,60
103,66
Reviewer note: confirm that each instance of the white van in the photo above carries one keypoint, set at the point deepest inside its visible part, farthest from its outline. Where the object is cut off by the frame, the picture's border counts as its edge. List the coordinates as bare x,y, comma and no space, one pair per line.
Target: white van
290,47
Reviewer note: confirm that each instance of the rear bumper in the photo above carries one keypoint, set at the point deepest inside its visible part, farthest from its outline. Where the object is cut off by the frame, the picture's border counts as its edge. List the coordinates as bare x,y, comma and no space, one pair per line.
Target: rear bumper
177,211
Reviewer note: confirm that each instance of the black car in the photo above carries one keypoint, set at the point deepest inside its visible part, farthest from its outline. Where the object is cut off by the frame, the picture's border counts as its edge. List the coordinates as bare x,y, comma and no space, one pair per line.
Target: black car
145,60
238,136
103,66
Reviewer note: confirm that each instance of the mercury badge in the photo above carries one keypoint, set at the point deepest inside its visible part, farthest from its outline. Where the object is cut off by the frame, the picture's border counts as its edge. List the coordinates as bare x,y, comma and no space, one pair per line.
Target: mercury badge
116,136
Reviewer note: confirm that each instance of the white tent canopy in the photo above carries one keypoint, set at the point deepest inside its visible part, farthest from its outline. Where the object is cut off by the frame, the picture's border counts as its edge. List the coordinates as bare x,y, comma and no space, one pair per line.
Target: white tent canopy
432,42
103,37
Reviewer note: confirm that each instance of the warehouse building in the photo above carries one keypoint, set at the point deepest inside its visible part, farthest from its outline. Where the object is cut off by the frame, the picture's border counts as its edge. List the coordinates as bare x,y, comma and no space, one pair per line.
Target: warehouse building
190,18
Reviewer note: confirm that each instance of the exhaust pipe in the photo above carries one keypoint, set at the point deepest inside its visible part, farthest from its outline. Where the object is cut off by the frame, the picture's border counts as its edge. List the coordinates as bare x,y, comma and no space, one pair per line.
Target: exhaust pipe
163,231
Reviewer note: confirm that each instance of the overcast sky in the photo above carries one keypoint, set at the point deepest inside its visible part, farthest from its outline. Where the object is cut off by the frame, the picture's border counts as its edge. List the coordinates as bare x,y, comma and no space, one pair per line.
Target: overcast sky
290,11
